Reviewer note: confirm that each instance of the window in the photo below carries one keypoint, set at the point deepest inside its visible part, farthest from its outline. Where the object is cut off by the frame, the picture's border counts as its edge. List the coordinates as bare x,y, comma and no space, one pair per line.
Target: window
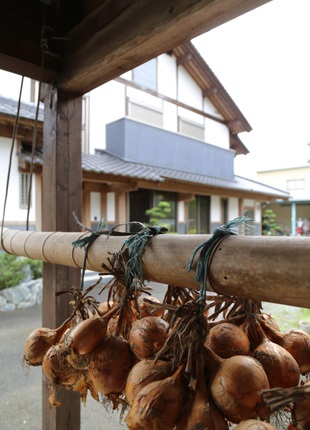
146,74
199,215
191,129
24,184
145,114
295,184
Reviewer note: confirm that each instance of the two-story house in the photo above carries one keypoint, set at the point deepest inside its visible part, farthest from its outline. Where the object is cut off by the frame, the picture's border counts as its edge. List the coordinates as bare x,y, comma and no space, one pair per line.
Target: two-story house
165,131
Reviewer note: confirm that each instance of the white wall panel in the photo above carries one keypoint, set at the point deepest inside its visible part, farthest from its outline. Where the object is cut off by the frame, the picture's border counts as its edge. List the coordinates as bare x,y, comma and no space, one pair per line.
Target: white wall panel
233,208
215,209
107,104
167,76
188,91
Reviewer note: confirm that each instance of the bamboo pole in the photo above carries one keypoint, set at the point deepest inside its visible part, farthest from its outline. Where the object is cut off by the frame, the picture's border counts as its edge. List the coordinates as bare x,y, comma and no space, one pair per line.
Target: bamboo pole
271,269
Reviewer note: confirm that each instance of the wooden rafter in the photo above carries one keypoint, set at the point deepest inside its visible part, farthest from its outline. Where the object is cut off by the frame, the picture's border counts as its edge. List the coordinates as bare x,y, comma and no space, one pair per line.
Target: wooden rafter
85,51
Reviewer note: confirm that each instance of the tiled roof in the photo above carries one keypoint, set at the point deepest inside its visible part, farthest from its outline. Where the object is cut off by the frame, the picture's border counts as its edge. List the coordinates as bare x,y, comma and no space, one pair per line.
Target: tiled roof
27,110
105,163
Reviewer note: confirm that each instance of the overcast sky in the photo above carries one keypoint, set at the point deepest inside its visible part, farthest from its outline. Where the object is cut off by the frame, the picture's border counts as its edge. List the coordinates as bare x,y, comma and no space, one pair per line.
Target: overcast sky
263,60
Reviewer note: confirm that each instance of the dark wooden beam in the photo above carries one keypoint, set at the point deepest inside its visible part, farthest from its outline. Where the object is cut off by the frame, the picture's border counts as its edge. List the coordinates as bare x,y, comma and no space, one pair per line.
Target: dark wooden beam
207,92
118,36
86,46
62,192
184,59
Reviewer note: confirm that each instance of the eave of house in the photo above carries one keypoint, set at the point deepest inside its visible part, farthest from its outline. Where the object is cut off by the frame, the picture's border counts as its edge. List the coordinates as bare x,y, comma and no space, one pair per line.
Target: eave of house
106,172
188,56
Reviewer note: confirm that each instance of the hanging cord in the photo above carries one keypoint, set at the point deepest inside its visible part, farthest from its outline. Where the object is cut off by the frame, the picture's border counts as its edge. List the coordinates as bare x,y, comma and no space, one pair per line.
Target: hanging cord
10,160
136,245
44,48
207,250
87,241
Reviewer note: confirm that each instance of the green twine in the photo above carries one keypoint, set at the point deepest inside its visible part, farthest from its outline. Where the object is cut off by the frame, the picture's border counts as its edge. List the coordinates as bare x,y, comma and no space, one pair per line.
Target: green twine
136,244
207,248
87,241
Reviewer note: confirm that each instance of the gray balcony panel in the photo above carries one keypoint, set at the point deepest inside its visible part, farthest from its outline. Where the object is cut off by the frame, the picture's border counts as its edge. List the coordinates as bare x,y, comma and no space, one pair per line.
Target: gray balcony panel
141,143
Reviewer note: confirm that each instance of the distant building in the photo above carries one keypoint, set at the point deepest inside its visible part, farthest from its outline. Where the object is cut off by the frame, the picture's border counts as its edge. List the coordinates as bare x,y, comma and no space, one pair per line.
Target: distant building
165,131
293,216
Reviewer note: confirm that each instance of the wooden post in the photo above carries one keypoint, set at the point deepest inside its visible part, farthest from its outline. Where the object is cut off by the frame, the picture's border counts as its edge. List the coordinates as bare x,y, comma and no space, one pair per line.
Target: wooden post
62,192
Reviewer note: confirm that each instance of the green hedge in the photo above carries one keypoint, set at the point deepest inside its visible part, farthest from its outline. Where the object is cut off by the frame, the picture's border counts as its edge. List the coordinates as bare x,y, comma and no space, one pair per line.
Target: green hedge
12,270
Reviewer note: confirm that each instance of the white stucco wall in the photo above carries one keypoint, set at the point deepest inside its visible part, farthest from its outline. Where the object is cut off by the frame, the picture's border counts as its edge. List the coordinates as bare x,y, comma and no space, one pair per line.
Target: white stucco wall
13,213
215,215
167,76
233,208
107,104
95,206
216,133
188,91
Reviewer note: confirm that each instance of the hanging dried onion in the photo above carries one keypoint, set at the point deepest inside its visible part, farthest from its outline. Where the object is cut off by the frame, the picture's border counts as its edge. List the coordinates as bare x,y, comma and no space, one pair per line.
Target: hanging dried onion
235,385
227,339
280,366
296,342
157,405
144,372
110,364
147,336
40,340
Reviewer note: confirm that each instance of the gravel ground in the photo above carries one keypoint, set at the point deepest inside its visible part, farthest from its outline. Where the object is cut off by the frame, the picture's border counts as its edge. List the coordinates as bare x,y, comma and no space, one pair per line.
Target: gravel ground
20,395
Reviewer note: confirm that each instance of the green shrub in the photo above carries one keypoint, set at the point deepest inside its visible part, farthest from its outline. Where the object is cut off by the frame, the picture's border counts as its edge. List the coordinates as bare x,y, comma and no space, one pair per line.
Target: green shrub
12,269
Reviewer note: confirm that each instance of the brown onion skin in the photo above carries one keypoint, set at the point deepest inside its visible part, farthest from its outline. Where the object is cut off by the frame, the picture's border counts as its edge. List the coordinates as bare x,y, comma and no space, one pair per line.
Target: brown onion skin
144,372
301,413
40,340
235,386
254,425
296,342
280,366
146,308
268,320
56,367
147,336
157,405
198,410
87,335
110,364
227,340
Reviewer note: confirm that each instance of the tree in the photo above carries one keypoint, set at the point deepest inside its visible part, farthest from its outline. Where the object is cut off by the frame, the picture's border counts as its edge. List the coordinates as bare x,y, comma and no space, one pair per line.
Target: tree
270,227
158,213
